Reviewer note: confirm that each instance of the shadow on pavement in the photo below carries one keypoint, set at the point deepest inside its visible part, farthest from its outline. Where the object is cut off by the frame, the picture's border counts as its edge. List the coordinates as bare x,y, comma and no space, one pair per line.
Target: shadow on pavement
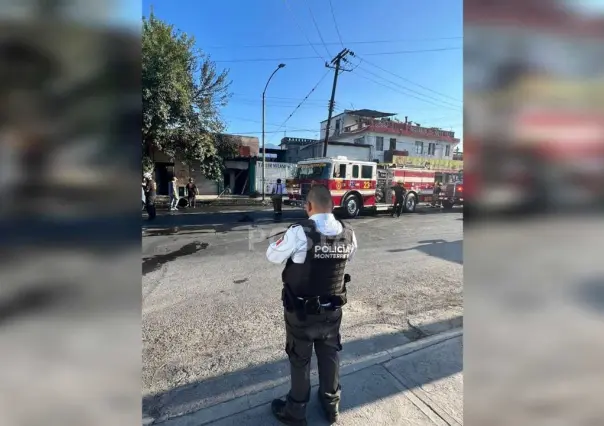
431,210
446,250
216,390
153,263
224,218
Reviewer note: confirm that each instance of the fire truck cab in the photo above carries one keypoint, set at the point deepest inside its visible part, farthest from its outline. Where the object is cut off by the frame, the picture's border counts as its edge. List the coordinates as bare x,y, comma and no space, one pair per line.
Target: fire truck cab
358,185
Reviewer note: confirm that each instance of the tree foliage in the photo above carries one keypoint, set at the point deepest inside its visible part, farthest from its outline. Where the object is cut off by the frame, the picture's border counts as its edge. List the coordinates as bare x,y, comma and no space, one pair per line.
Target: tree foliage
182,94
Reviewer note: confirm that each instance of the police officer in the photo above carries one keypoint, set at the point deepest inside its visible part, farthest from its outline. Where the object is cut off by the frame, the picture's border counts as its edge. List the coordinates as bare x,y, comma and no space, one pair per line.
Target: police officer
315,252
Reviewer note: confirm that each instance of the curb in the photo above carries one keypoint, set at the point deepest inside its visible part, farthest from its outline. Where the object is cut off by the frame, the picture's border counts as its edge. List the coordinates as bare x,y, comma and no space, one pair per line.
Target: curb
260,395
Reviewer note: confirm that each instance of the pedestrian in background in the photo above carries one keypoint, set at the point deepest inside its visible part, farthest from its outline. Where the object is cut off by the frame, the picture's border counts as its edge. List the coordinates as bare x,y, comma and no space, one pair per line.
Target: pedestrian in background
277,197
150,188
191,193
315,253
173,190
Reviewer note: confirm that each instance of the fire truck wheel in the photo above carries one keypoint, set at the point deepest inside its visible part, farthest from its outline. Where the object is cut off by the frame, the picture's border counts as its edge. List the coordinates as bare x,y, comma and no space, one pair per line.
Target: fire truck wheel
352,206
410,203
447,205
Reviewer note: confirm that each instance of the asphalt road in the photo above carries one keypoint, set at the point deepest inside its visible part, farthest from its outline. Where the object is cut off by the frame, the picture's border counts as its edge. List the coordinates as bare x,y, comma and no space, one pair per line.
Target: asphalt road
211,301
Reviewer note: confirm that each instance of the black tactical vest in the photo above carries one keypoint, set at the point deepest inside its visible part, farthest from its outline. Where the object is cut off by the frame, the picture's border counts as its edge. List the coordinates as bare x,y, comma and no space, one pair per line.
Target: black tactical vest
322,273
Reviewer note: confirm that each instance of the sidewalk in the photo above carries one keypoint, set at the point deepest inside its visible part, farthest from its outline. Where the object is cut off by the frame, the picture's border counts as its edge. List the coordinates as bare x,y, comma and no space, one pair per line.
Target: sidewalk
419,383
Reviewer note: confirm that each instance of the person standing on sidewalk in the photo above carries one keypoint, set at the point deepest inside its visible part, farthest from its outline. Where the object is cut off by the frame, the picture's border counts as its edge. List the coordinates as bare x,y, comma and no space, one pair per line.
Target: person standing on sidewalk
315,252
191,193
173,189
277,197
150,195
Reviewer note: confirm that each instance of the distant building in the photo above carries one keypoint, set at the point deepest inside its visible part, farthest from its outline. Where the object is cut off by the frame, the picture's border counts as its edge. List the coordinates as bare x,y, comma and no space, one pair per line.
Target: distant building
387,136
301,149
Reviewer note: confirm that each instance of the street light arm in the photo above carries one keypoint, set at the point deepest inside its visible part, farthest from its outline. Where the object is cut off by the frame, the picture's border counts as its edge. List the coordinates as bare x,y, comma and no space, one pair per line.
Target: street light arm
270,78
263,145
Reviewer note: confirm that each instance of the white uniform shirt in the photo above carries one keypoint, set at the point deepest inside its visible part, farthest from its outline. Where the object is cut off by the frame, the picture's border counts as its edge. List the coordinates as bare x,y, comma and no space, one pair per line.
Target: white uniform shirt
294,242
279,188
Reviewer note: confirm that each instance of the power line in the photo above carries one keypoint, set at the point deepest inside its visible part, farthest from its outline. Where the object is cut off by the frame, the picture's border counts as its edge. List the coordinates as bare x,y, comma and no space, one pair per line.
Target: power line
247,46
411,82
400,52
299,28
278,97
398,90
279,131
305,98
333,15
312,16
274,105
268,124
410,90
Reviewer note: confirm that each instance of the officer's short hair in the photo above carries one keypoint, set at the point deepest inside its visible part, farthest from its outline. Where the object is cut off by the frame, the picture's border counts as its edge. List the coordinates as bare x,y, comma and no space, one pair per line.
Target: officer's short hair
320,196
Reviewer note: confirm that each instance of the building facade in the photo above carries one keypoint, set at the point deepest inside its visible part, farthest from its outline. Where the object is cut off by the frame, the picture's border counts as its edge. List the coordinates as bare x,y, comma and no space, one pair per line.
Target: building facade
298,149
386,136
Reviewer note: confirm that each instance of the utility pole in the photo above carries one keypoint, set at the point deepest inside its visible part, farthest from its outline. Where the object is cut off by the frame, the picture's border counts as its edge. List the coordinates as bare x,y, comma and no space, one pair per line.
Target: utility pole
335,64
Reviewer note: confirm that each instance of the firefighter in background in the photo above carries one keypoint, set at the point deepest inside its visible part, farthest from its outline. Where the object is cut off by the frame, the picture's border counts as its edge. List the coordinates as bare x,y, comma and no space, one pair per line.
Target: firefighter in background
437,190
315,252
277,197
399,198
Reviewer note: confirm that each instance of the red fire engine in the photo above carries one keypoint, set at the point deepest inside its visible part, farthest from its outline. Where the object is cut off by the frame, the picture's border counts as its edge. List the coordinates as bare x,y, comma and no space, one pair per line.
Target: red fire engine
357,185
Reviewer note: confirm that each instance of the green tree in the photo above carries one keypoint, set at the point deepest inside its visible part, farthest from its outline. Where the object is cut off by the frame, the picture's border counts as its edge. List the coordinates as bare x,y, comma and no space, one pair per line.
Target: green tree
182,95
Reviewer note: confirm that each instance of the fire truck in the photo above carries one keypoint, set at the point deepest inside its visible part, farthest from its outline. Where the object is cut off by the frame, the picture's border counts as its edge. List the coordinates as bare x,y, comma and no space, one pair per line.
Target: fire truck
360,185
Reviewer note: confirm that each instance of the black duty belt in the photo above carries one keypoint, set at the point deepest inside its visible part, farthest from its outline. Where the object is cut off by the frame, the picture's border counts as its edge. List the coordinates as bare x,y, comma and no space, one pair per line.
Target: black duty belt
315,305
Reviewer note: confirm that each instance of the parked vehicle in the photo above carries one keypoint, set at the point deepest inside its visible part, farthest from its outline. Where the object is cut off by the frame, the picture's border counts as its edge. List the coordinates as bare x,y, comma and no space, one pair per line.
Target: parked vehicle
452,195
361,185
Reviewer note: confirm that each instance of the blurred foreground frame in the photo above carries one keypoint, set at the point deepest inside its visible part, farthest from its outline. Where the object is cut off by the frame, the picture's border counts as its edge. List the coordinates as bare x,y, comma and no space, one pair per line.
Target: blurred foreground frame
70,123
534,283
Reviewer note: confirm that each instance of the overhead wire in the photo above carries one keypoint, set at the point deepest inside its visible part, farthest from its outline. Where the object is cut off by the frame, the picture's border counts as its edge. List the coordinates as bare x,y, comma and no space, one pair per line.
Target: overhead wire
301,30
333,15
447,103
411,82
305,98
330,43
400,91
295,58
312,16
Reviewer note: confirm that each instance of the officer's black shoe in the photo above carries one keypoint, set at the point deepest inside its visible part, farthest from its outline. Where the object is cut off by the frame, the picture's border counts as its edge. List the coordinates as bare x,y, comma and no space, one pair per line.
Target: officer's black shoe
331,413
278,409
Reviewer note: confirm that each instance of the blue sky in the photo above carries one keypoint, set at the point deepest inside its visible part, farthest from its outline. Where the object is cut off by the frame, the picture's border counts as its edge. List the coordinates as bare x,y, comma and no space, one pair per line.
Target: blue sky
425,82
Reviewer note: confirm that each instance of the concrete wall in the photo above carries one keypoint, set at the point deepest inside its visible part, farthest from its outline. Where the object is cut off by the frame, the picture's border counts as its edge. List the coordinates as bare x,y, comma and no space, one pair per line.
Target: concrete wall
345,121
273,172
184,172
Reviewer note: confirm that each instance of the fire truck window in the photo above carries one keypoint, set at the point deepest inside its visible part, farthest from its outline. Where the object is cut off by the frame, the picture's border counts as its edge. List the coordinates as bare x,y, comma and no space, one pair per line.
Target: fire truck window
342,171
355,172
366,172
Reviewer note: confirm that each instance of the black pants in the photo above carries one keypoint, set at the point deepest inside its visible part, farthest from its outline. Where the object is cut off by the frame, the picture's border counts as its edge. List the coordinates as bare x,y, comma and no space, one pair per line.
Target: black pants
192,202
435,200
277,204
323,332
398,207
150,205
